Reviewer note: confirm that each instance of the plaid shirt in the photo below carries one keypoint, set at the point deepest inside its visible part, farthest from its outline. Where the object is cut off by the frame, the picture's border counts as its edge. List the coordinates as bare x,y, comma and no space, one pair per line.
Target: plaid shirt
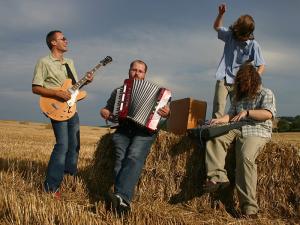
264,100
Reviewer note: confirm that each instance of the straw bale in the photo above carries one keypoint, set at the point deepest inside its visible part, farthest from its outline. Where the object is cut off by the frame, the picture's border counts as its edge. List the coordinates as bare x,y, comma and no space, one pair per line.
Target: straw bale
174,172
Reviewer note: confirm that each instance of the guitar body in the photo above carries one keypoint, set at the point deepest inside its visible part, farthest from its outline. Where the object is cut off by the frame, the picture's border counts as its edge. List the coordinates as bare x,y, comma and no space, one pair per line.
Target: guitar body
59,110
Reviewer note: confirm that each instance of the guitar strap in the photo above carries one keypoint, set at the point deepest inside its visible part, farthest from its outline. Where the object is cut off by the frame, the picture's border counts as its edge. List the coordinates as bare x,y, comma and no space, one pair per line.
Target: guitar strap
70,74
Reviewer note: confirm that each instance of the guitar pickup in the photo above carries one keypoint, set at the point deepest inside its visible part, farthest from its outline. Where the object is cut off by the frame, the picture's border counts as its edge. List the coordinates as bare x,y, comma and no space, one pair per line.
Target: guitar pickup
54,106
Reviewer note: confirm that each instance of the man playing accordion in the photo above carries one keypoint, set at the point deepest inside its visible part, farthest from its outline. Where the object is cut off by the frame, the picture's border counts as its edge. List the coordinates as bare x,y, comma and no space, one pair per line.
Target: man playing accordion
132,144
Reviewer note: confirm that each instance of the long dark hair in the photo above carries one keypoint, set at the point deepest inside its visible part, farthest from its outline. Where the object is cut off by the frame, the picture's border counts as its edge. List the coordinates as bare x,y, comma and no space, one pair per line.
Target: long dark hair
247,82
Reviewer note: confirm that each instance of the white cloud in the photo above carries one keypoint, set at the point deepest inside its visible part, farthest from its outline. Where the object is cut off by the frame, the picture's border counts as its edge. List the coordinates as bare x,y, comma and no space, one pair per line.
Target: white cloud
282,61
183,59
19,14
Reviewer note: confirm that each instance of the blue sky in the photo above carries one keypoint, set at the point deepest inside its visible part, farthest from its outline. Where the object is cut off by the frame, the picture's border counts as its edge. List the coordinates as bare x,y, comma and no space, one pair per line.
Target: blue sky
175,38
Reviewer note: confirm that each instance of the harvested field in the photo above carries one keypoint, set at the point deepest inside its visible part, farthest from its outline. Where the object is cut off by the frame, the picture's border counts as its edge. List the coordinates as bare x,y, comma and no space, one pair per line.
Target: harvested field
168,192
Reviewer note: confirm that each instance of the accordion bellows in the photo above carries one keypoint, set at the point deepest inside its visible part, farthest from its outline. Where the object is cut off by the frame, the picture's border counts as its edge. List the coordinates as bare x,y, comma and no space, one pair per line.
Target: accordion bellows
139,101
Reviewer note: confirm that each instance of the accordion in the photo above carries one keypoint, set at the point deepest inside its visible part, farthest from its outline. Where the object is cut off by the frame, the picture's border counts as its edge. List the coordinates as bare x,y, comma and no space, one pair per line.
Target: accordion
139,101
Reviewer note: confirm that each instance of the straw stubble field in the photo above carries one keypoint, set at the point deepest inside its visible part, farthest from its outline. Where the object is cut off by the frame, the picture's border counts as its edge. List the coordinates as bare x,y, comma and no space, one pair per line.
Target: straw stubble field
168,191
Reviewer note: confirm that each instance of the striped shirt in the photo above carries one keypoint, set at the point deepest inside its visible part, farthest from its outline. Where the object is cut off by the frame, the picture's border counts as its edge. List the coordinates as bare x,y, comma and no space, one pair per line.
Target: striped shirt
264,100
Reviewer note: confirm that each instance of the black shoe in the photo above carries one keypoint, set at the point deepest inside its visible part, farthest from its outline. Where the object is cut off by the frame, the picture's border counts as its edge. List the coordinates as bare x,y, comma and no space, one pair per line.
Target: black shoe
123,210
212,186
118,205
113,201
123,207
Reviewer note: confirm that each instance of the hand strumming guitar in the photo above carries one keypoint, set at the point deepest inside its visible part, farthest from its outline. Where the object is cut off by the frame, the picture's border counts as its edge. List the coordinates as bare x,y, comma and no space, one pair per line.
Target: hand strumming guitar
64,95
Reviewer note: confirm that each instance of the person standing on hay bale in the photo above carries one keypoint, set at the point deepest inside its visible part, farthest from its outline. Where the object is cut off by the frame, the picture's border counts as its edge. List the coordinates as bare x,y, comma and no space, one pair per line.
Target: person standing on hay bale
256,105
240,47
132,144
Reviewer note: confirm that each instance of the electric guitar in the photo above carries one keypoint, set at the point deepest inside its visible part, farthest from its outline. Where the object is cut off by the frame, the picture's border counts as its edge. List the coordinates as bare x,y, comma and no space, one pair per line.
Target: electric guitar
60,110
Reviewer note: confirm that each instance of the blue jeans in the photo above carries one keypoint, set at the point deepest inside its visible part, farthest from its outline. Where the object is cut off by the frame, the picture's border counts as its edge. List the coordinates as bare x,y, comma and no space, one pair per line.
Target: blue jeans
132,145
64,157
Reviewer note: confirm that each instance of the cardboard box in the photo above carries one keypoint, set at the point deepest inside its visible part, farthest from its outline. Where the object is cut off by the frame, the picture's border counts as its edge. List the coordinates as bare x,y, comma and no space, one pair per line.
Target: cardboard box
186,113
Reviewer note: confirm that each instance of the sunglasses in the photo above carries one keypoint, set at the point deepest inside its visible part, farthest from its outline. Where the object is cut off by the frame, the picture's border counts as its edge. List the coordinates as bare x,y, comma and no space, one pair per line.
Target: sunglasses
62,39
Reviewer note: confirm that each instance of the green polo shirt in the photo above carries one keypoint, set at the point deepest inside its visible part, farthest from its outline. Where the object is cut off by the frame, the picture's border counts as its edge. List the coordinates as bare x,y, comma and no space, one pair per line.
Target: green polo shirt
50,72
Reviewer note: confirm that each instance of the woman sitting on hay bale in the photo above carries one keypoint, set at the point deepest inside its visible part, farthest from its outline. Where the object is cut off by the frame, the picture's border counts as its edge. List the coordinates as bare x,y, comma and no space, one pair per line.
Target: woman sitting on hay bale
255,104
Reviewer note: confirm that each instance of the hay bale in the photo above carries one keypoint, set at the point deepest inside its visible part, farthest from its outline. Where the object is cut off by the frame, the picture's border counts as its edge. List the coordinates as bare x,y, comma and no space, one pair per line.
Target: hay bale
100,172
278,180
174,172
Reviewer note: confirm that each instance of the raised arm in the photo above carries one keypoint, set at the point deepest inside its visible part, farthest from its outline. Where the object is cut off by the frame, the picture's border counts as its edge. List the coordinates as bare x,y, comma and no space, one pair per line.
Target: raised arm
219,20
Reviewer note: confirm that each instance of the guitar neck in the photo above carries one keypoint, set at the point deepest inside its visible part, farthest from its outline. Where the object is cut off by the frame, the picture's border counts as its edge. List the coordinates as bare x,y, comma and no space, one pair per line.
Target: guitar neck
83,80
79,84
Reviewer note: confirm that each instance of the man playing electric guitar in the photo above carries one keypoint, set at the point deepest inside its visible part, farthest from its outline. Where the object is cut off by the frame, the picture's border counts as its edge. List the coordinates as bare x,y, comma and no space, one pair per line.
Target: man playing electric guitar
50,73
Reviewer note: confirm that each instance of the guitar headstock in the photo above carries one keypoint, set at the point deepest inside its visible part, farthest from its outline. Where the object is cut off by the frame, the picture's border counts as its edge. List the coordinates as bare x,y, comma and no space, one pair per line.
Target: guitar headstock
105,61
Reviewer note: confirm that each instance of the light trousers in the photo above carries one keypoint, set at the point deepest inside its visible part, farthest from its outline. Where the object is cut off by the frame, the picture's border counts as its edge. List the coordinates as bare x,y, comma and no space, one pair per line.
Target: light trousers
246,151
222,91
